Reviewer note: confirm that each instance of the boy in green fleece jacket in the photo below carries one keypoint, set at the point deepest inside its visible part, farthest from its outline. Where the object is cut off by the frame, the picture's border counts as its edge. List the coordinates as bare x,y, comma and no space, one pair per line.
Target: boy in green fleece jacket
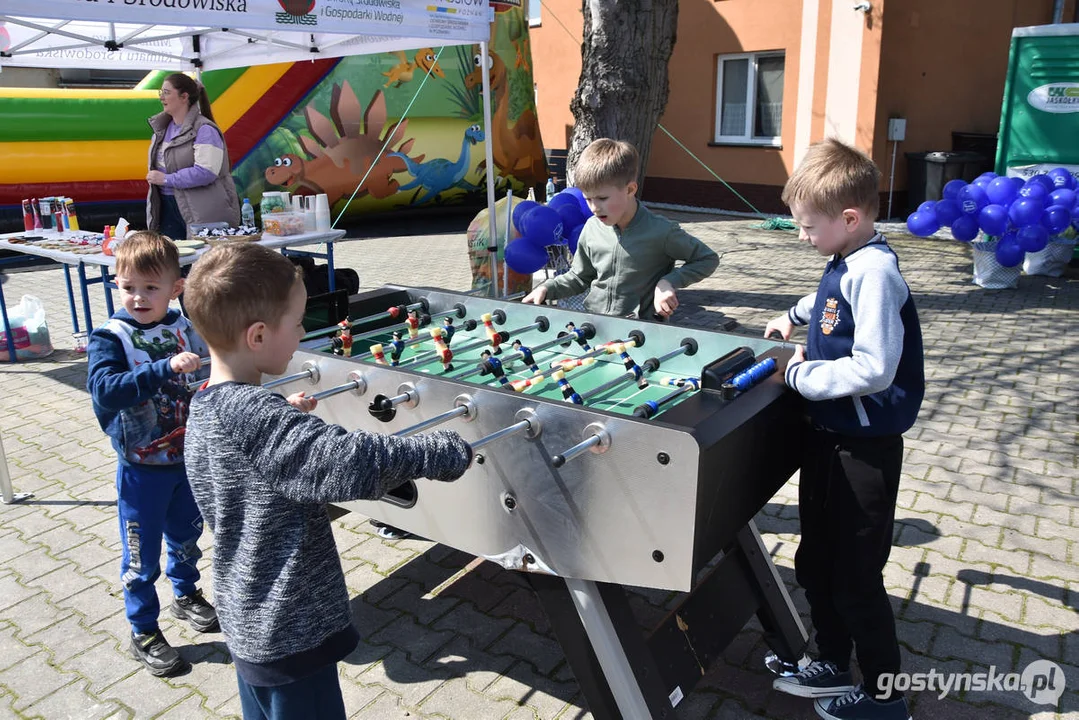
626,255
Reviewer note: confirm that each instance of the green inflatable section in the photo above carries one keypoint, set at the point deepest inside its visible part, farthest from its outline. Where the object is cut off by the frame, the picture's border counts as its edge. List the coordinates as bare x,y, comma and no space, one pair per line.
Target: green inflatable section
57,119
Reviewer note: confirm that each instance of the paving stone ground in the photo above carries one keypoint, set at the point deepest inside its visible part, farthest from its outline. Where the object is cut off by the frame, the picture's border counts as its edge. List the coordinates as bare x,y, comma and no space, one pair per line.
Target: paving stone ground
983,574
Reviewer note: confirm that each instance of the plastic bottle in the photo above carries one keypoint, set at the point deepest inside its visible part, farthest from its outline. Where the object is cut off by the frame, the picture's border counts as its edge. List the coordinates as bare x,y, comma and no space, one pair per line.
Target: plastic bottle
247,213
551,189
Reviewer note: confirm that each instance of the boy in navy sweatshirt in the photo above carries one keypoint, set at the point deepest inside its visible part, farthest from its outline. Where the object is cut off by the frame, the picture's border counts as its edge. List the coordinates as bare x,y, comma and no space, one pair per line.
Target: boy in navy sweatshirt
262,471
862,378
140,363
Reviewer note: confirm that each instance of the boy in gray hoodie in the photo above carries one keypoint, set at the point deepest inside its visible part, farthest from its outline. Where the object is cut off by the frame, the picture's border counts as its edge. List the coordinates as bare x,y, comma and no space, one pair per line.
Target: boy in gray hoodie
262,470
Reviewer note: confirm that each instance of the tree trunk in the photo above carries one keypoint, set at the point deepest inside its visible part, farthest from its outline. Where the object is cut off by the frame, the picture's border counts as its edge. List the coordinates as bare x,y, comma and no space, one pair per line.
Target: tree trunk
623,86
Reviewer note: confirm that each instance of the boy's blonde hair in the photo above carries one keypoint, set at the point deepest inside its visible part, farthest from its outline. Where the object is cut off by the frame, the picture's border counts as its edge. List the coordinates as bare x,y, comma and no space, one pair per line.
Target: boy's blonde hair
832,177
234,286
606,162
147,253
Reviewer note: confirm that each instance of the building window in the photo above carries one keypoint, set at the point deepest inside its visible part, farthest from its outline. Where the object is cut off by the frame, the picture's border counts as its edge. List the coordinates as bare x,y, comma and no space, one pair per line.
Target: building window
534,12
749,88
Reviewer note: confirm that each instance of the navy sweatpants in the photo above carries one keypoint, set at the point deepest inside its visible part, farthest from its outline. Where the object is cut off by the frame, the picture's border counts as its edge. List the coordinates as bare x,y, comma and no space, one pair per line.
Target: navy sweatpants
155,504
315,697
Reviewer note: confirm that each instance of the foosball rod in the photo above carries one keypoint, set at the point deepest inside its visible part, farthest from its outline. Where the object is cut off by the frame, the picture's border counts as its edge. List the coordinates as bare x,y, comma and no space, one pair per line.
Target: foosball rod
465,408
598,440
688,347
420,338
392,313
541,324
513,429
516,355
636,340
356,382
649,409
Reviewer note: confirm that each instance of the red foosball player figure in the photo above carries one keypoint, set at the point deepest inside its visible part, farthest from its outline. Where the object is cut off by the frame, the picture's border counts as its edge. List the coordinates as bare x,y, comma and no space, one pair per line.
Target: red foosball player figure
443,351
491,365
345,335
397,346
448,329
413,323
578,336
378,354
568,393
526,355
493,335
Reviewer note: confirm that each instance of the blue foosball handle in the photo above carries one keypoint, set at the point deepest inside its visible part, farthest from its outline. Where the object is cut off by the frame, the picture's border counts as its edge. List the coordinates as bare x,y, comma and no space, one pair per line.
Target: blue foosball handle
753,374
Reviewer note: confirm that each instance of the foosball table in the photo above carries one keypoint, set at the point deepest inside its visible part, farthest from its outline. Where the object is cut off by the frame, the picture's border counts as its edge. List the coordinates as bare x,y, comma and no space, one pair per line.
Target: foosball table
608,452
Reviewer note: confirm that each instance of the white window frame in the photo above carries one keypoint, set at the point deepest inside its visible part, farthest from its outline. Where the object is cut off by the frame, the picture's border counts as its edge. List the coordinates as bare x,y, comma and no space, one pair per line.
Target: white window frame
746,138
535,19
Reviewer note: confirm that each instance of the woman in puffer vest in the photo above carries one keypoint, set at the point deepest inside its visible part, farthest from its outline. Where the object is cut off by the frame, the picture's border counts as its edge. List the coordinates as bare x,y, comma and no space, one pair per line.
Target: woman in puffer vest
189,172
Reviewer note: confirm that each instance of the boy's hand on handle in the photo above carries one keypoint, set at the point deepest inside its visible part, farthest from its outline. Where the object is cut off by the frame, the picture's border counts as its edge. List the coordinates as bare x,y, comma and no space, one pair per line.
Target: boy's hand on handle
781,325
186,362
666,301
799,355
301,402
536,297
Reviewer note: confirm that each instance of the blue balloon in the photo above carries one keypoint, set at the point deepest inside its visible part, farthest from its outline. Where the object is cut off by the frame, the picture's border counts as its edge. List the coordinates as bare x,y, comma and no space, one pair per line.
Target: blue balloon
573,237
1063,196
543,226
927,205
965,228
1035,190
579,194
991,175
972,199
923,223
1008,252
1026,211
993,220
1045,181
571,216
520,210
1062,178
1018,182
947,211
1001,191
982,182
560,199
524,256
952,188
1033,238
1056,219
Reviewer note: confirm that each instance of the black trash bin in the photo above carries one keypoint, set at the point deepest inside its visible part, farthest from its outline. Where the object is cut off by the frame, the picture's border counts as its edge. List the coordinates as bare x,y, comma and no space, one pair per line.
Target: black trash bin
929,172
985,144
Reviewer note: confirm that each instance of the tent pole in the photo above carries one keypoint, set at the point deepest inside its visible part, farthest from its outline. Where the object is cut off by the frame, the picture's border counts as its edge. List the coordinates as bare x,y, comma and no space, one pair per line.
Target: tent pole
488,148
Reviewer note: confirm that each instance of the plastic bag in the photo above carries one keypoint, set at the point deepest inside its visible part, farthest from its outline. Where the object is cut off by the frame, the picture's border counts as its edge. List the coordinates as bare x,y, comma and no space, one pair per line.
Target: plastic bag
988,272
28,329
1052,260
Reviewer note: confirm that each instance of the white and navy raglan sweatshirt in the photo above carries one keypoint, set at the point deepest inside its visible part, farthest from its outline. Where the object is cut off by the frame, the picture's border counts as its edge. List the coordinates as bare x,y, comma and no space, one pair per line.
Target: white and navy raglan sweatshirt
261,472
863,373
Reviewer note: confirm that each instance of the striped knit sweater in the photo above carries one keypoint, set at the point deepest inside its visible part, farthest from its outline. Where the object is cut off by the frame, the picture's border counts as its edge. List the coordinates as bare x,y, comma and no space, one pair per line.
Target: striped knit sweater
261,472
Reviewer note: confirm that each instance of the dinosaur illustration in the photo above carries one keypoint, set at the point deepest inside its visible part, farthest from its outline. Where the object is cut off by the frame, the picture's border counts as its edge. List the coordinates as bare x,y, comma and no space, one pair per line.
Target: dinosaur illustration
404,70
340,154
518,150
438,175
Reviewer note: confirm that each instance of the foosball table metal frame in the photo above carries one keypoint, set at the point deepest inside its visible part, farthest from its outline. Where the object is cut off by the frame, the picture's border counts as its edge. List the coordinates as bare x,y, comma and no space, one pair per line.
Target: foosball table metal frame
666,503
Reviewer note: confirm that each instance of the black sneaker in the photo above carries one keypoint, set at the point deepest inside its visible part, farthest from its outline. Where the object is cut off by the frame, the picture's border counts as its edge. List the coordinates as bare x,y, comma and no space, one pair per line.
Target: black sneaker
389,532
817,679
856,705
196,611
154,651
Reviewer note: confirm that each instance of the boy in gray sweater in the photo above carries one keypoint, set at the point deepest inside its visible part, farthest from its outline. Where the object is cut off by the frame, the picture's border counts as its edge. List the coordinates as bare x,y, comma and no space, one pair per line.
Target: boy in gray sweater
262,469
626,255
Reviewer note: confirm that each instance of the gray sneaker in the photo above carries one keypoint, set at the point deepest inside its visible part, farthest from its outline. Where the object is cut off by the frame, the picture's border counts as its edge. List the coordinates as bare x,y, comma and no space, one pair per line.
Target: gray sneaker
818,679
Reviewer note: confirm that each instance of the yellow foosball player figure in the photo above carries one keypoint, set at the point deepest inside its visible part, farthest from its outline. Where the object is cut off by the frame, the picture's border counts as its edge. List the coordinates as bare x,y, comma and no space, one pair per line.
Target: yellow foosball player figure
444,353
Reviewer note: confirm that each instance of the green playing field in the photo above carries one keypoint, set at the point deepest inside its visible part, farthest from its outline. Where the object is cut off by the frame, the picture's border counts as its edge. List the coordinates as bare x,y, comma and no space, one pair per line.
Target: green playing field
467,345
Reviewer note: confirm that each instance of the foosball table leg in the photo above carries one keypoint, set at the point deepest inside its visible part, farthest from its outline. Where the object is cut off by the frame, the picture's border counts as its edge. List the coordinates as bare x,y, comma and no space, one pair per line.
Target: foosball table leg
605,648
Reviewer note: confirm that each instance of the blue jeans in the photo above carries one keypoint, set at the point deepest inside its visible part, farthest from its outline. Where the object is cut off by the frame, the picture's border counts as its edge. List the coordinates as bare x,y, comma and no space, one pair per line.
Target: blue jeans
172,222
153,505
315,697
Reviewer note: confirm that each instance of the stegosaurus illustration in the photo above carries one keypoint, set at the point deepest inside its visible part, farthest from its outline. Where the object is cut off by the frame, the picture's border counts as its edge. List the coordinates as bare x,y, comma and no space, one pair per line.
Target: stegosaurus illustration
341,151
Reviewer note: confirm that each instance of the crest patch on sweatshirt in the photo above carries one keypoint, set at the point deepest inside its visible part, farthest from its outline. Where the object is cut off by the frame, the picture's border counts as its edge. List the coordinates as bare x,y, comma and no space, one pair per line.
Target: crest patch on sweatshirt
829,319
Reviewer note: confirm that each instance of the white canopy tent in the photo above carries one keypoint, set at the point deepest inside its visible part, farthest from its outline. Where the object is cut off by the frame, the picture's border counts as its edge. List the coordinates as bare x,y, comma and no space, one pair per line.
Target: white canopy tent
197,35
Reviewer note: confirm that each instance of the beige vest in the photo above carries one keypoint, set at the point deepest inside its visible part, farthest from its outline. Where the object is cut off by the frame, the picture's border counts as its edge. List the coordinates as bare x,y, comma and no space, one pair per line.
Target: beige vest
216,202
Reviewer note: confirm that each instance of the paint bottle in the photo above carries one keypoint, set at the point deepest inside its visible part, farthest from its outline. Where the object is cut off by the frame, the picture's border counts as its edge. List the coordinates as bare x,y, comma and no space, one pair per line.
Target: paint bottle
27,216
37,216
72,218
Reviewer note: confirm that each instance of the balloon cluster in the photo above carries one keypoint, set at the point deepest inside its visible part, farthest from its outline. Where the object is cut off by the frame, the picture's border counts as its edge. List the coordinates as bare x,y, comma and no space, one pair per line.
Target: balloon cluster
1022,213
559,222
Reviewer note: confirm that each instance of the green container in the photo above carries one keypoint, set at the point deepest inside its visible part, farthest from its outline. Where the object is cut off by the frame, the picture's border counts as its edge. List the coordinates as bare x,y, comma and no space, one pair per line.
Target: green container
1039,121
